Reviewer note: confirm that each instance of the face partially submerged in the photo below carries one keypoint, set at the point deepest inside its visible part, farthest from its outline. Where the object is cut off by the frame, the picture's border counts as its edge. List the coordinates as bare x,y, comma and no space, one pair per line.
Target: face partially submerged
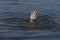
33,16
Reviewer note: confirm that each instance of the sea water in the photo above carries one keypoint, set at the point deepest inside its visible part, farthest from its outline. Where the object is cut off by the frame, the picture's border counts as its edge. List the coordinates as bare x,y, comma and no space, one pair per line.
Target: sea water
21,9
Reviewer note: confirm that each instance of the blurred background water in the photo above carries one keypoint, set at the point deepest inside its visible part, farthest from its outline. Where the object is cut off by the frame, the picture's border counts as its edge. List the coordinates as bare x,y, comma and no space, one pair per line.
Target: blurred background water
21,9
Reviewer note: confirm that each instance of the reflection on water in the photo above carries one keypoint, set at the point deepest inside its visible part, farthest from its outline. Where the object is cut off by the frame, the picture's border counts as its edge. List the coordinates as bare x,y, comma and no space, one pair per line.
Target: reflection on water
11,11
33,31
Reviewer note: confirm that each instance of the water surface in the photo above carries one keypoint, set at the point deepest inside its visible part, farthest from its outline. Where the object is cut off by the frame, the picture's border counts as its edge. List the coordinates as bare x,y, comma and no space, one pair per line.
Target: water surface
21,9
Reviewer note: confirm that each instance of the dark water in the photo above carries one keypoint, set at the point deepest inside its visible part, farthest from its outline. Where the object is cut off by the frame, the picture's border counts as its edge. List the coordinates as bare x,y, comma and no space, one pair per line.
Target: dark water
21,9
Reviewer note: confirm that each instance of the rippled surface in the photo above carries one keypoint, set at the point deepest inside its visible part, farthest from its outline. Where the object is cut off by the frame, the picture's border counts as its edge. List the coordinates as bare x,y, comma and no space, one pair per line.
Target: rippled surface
21,9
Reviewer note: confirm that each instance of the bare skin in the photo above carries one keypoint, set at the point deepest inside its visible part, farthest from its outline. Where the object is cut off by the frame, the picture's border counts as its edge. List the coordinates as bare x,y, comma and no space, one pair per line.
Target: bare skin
33,16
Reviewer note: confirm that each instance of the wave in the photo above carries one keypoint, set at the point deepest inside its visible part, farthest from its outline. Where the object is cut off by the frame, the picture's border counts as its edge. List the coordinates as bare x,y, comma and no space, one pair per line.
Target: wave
40,23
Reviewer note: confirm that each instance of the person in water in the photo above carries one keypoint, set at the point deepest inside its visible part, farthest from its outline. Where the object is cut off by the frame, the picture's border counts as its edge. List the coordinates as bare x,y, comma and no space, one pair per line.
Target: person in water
33,16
